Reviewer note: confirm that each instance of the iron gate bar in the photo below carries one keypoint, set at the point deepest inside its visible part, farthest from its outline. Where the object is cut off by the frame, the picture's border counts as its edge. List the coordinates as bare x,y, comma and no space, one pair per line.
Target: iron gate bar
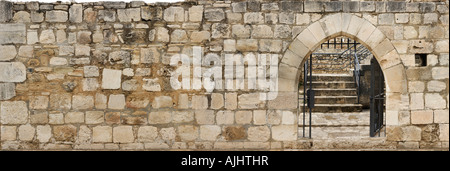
310,87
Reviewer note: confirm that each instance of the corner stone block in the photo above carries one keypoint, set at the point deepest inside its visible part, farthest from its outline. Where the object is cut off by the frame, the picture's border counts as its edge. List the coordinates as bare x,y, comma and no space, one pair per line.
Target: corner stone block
12,72
13,112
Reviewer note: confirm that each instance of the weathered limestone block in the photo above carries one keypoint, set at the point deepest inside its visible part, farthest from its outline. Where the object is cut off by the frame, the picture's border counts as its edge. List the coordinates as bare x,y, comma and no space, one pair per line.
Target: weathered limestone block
434,101
253,18
196,13
43,133
116,101
107,15
183,116
9,133
209,132
123,134
199,102
270,7
162,102
6,11
284,100
292,6
174,14
284,133
215,14
102,134
74,117
241,31
147,134
262,31
76,13
161,35
436,86
65,133
90,71
439,73
160,117
259,133
56,16
239,7
22,17
188,132
267,45
84,37
247,45
7,52
225,117
82,102
129,15
179,36
114,5
220,30
7,91
422,117
95,117
286,18
12,33
444,132
250,101
111,79
151,84
243,117
200,36
130,85
13,112
204,117
47,37
231,101
12,72
441,116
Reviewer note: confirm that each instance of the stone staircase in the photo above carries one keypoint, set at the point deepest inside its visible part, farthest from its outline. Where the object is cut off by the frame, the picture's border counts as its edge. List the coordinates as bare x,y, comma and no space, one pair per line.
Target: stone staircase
337,114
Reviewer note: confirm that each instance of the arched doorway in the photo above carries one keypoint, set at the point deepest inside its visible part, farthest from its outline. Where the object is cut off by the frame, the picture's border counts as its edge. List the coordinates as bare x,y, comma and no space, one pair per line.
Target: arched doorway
360,30
341,92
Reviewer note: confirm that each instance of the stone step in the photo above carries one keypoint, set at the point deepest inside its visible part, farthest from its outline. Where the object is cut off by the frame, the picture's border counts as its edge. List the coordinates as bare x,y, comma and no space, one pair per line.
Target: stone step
334,92
336,119
338,132
331,77
334,108
336,99
333,84
332,99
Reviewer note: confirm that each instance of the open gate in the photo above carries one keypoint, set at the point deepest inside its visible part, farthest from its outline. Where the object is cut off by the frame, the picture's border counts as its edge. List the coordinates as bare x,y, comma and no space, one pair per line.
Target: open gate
377,98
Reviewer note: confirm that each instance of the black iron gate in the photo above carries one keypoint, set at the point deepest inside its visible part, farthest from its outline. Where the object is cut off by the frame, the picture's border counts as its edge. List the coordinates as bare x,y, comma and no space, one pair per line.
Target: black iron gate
308,94
377,98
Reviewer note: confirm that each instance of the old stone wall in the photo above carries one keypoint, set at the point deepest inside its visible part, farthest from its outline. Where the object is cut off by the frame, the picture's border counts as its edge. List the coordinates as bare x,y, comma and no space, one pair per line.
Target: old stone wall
96,76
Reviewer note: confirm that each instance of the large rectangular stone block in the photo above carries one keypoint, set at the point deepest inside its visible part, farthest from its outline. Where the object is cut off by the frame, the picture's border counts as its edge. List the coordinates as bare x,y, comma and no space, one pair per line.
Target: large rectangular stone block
6,11
12,33
12,72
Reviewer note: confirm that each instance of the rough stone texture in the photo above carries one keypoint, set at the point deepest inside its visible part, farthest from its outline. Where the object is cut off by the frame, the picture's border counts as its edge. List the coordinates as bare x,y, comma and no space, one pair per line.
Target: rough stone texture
56,16
8,53
6,11
14,112
7,91
123,134
12,33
